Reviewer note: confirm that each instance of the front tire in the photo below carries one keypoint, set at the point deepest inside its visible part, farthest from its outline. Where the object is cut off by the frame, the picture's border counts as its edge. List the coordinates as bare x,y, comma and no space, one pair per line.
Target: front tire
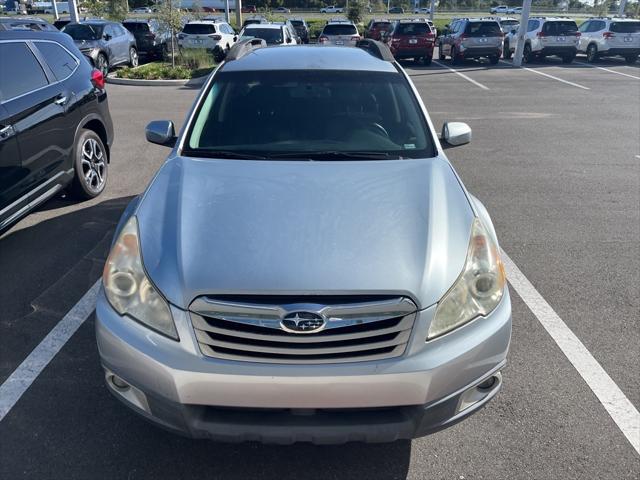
592,53
102,64
133,57
454,56
90,165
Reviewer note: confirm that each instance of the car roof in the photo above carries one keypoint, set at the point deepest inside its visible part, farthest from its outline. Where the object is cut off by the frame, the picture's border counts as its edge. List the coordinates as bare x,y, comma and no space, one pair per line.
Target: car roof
274,26
204,22
37,35
309,57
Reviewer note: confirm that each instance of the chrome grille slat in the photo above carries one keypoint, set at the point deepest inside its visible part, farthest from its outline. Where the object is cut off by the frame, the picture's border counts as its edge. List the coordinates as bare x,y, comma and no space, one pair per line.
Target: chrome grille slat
353,331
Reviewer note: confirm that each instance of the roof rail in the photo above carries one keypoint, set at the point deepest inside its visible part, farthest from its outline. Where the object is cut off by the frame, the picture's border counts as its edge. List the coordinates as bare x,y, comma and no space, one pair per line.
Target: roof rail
376,48
241,48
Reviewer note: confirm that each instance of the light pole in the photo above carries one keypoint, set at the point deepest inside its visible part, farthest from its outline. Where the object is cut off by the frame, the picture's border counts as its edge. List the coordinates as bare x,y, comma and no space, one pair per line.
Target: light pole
73,10
432,9
524,21
55,9
238,14
623,4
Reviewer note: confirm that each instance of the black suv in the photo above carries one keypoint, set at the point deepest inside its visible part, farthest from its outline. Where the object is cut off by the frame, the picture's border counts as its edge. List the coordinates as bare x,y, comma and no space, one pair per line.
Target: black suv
302,29
55,127
150,38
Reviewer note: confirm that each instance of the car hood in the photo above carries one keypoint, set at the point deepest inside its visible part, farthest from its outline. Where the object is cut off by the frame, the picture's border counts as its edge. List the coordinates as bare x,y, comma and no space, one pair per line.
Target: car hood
87,43
215,227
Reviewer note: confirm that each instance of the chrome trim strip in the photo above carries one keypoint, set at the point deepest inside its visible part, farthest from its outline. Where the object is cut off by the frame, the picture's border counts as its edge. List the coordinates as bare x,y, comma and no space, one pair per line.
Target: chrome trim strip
31,192
34,203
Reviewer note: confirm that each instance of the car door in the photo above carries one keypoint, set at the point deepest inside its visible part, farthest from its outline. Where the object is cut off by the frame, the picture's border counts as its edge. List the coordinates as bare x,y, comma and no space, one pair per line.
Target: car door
121,43
448,38
36,108
11,174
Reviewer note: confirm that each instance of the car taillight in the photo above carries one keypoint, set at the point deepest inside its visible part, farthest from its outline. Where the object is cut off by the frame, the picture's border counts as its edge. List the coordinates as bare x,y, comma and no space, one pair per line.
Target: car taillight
355,37
97,78
462,37
541,34
216,37
323,39
577,34
608,35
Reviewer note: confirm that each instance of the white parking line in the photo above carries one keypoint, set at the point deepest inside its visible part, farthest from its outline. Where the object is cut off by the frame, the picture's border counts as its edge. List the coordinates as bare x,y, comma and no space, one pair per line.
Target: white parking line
614,401
577,85
21,379
477,84
608,70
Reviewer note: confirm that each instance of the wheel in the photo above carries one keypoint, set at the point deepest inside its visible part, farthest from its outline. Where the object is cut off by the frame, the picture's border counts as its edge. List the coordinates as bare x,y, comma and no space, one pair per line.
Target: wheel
90,165
527,55
455,60
592,53
568,58
427,60
102,64
631,59
133,57
441,54
494,59
506,53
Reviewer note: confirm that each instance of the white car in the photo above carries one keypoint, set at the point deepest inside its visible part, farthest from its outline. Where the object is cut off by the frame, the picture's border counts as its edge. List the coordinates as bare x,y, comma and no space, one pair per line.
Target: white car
281,10
142,10
207,34
339,32
610,36
279,34
331,9
545,36
515,10
500,9
422,11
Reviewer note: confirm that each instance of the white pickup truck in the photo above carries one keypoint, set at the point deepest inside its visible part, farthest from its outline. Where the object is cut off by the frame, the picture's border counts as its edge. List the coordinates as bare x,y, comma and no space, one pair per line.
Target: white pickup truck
331,9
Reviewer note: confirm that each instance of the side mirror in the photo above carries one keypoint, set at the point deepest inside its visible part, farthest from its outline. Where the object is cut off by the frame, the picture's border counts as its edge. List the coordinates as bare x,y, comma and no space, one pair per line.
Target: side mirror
235,38
455,134
161,132
107,37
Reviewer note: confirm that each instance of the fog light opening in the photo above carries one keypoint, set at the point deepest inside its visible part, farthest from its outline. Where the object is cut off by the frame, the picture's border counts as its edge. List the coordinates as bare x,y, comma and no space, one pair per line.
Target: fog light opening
119,384
487,384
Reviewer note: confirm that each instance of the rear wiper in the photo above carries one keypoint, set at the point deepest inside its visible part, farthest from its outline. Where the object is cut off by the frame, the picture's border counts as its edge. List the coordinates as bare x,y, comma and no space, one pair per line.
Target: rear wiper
223,154
333,155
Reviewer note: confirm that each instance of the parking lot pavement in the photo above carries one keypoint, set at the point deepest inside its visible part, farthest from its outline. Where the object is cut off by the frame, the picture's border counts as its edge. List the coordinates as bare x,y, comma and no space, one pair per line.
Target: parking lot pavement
556,166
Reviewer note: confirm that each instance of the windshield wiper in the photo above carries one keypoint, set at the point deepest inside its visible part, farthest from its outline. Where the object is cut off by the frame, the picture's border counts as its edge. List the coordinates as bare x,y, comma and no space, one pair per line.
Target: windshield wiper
240,155
336,155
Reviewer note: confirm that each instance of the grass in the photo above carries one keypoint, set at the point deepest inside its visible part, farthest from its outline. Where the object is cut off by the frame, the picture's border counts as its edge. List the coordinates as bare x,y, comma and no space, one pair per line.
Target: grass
190,63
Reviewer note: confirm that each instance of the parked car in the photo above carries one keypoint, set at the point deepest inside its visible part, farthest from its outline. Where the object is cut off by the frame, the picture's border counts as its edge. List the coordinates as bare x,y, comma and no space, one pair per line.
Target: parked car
62,22
279,34
142,10
499,9
339,32
302,29
151,39
254,20
26,23
376,27
422,11
55,128
411,38
396,10
62,7
107,44
546,36
281,10
207,34
332,9
508,24
610,36
514,10
286,281
471,38
249,9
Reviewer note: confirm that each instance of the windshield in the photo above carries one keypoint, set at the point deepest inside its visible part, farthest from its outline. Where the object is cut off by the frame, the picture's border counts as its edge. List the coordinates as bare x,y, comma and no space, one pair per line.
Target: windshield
340,29
356,114
79,31
198,29
272,36
413,29
625,27
136,27
560,28
380,25
483,29
297,23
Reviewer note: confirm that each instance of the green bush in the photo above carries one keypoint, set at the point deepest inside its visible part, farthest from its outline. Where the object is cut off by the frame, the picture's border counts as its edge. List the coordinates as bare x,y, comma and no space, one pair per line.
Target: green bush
161,71
195,58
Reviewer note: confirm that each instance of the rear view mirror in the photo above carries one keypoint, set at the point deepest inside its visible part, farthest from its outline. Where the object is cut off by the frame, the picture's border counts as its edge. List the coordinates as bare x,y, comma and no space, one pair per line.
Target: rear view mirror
456,133
161,132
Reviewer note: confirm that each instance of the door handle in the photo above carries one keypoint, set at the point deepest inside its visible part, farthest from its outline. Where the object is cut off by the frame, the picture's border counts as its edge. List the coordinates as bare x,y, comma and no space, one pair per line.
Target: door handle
61,100
6,132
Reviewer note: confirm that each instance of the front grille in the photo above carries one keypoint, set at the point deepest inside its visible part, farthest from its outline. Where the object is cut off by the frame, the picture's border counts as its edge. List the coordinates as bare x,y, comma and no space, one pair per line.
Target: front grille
250,330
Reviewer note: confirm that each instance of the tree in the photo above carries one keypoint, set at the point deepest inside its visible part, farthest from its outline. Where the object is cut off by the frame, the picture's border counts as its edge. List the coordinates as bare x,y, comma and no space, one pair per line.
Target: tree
117,10
170,22
96,8
356,11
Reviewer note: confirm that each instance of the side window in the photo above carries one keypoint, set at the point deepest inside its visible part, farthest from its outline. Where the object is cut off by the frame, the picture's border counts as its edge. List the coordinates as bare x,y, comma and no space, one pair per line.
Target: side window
61,62
120,31
585,27
25,73
533,25
596,26
108,30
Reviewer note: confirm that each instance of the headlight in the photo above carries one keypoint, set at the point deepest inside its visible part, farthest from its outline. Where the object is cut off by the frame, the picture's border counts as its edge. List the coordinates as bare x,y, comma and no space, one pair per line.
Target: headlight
127,287
479,288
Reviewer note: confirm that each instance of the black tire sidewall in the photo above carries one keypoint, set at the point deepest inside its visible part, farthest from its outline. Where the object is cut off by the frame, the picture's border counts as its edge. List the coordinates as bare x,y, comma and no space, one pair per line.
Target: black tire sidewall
79,187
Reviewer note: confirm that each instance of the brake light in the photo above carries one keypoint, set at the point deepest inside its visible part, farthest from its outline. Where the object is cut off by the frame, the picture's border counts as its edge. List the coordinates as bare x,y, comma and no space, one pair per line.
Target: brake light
577,34
355,37
463,36
541,34
97,78
323,39
608,35
216,37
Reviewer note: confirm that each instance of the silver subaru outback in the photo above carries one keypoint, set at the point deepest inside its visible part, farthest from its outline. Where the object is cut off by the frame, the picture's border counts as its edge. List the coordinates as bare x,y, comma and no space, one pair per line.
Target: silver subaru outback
284,280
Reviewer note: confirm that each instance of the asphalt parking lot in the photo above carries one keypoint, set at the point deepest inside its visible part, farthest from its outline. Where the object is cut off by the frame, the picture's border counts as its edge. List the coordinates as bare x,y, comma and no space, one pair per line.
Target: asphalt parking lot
555,158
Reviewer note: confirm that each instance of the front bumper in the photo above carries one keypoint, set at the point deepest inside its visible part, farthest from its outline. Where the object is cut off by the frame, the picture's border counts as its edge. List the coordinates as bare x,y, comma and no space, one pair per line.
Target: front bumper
174,385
